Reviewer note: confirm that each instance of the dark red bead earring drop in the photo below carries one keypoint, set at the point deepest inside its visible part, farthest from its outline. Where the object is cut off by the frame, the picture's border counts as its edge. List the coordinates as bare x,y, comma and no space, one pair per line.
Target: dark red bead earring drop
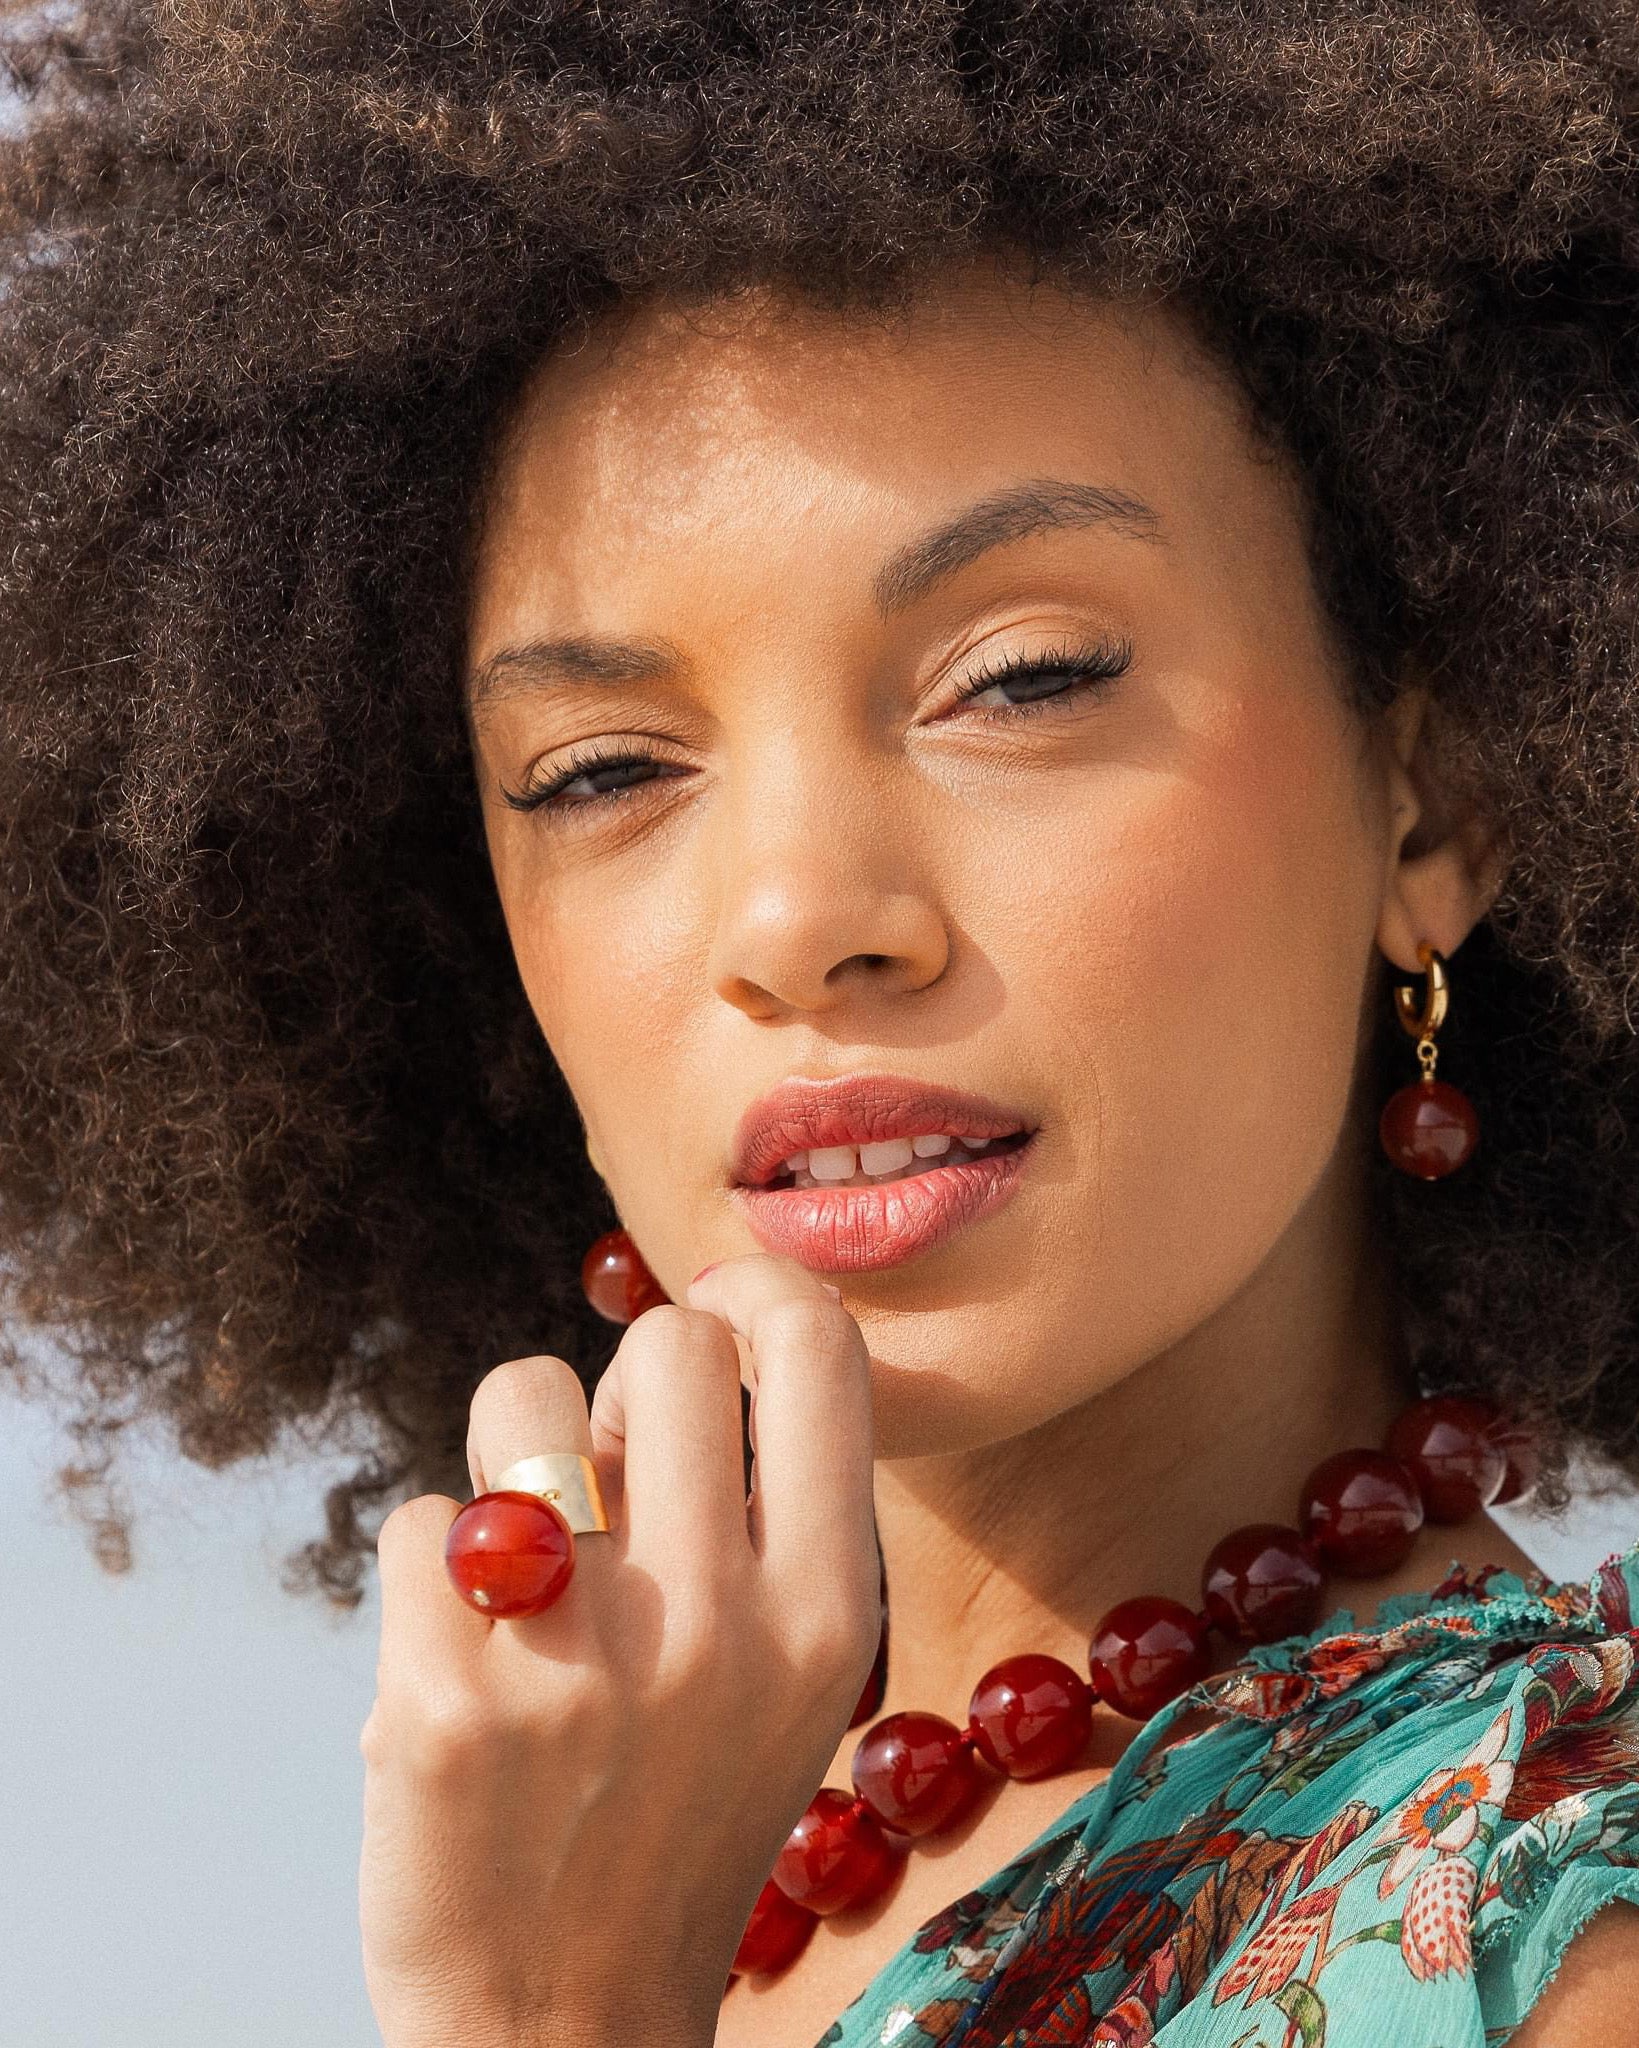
615,1280
1428,1128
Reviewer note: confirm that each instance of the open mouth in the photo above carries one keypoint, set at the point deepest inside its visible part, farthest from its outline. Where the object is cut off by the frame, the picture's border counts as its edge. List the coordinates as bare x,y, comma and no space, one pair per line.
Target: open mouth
878,1165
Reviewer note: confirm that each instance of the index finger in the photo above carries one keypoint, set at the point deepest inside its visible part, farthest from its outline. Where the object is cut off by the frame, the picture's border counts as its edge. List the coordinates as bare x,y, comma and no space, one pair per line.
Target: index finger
810,1375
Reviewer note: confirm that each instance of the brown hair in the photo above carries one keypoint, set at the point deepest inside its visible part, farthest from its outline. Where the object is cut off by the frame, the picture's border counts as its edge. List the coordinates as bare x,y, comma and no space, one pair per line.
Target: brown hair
279,1142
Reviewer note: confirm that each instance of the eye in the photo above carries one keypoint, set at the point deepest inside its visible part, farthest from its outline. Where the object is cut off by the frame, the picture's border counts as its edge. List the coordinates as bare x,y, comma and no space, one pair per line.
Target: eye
1032,683
591,776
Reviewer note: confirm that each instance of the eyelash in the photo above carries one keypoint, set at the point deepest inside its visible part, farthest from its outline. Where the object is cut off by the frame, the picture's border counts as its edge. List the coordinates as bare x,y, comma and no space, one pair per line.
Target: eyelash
1084,666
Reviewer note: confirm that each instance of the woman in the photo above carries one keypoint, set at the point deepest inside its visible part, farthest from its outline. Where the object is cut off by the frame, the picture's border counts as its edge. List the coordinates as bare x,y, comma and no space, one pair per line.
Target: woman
867,640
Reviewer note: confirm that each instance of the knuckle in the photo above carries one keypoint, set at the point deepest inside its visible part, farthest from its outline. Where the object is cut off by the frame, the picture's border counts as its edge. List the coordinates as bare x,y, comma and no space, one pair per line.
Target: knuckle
780,1264
373,1744
425,1730
837,1639
817,1324
669,1334
413,1527
520,1384
656,1331
524,1383
830,1623
450,1727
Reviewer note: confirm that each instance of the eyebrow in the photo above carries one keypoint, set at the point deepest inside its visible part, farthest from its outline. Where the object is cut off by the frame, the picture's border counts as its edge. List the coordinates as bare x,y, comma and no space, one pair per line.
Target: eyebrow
907,576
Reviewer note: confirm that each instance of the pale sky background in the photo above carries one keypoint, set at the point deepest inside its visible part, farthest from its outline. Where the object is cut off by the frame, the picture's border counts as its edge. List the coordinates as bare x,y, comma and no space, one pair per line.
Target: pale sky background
179,1772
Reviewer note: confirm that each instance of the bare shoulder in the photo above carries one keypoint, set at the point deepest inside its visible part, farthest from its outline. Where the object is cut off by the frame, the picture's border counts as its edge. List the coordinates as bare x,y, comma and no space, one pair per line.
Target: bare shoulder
1595,1994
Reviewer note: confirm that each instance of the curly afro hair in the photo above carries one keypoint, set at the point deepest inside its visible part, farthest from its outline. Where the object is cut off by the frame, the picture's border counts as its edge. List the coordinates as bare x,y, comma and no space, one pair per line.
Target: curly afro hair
280,1147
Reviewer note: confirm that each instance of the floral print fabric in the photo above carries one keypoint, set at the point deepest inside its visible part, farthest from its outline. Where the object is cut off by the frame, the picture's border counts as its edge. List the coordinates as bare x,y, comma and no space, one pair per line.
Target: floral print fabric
1377,1836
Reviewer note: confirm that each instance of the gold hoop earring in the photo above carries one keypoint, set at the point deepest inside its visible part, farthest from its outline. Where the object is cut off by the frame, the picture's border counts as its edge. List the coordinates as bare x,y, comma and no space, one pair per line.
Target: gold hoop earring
1427,1128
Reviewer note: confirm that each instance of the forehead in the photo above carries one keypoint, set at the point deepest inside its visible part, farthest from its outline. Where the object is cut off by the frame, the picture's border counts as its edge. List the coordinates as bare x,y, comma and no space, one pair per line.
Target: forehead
674,440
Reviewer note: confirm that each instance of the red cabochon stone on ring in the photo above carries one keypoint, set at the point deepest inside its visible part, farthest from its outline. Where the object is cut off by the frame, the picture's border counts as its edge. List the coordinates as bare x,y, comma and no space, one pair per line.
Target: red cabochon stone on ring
1428,1129
1361,1511
1262,1582
916,1772
1030,1715
1449,1446
1145,1652
509,1554
615,1280
836,1856
775,1935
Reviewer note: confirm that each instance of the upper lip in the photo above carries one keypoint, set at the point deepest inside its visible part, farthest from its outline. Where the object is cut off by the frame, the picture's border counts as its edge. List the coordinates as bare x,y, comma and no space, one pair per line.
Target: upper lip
859,1109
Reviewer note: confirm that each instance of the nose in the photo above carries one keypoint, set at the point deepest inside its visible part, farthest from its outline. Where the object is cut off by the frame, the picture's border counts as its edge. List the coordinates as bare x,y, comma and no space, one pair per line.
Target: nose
824,901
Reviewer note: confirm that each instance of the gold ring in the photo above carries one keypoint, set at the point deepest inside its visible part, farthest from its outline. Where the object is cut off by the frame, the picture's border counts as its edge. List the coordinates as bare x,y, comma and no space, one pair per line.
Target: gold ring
568,1479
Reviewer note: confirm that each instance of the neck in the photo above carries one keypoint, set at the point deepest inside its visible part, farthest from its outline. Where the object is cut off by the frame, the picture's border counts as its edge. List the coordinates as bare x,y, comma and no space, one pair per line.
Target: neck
1024,1544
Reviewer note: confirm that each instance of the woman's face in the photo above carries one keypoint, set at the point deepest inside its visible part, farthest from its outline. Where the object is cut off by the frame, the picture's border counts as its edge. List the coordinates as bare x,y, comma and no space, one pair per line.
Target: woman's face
1130,900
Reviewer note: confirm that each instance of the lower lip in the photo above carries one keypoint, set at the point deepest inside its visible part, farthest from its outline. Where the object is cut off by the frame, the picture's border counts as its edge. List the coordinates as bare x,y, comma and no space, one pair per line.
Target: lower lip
861,1230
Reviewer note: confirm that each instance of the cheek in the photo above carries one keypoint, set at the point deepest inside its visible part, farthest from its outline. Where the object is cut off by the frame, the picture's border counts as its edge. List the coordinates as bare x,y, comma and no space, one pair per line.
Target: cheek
1205,993
608,971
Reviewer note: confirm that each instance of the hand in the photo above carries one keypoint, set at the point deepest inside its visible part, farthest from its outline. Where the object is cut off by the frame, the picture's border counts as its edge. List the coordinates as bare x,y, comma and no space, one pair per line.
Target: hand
567,1819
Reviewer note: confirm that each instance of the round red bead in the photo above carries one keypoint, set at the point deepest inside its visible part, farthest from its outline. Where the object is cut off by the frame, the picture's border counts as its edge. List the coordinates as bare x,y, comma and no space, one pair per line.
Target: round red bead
916,1772
836,1856
1521,1462
1145,1652
1428,1129
1448,1445
1262,1582
1030,1715
615,1280
775,1935
509,1554
1361,1511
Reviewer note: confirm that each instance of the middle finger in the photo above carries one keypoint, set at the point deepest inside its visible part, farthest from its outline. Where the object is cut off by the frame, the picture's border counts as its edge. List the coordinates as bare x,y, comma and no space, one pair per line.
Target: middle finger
671,1394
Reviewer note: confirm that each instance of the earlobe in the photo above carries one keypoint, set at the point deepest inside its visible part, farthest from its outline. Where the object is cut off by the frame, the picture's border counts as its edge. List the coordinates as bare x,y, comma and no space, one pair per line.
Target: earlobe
1446,859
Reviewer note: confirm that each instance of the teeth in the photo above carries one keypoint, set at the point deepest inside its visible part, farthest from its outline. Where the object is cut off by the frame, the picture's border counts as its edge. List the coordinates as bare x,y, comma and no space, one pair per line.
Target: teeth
870,1165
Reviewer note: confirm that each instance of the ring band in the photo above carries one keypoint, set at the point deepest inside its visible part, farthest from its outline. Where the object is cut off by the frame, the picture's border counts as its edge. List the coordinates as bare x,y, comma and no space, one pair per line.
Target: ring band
568,1479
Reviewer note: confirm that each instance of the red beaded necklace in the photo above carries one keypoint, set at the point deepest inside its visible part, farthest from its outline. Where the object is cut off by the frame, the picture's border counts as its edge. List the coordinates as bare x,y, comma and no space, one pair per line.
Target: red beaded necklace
916,1774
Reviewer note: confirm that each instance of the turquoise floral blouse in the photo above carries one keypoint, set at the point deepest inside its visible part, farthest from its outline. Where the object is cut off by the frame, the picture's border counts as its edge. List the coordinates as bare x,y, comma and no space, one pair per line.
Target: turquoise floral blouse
1382,1838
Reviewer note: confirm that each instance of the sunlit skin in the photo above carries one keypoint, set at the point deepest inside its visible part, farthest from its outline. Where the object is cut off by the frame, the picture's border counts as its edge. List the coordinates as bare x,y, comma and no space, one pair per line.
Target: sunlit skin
1156,914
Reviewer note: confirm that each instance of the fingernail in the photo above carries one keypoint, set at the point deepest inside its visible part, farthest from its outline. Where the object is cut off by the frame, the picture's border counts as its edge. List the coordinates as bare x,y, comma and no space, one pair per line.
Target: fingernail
834,1292
704,1270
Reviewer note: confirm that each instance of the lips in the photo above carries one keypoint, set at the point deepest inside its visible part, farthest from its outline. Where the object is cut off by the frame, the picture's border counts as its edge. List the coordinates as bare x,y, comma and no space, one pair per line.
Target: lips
863,1109
854,1229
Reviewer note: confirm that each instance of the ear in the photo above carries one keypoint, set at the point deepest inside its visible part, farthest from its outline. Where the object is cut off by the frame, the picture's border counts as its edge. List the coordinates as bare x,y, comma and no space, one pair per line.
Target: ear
592,1155
1446,858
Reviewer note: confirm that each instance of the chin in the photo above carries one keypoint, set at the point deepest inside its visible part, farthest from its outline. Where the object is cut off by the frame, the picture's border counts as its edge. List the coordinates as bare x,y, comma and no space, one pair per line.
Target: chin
941,1402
